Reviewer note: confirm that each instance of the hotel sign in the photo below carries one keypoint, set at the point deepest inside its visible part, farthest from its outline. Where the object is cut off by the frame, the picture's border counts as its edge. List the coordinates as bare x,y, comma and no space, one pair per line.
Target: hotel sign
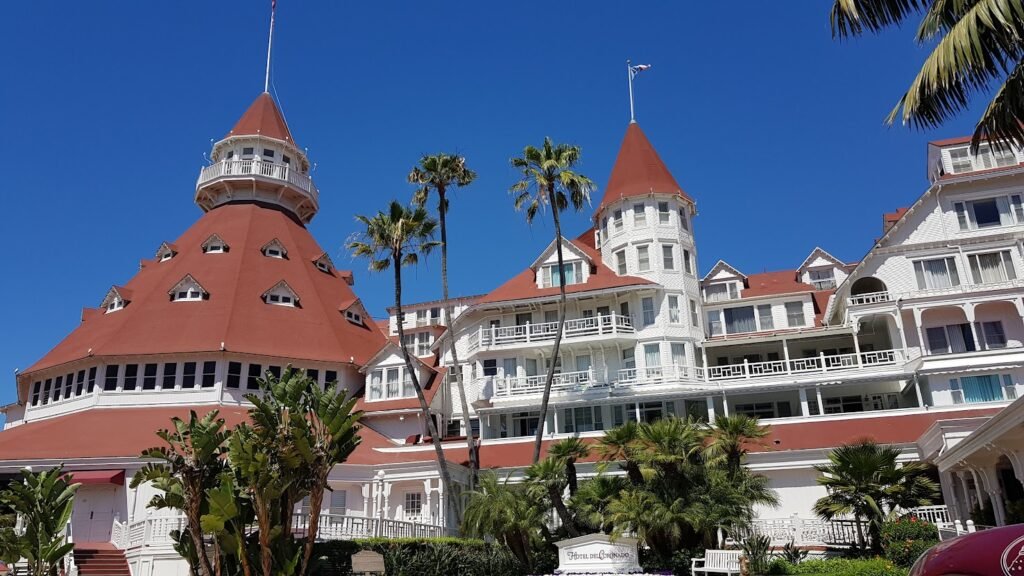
598,553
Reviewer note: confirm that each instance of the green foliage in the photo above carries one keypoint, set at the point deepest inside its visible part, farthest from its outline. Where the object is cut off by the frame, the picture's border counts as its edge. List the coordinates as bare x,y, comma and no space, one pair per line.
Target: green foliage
792,554
905,539
421,557
512,514
758,550
983,515
838,567
44,500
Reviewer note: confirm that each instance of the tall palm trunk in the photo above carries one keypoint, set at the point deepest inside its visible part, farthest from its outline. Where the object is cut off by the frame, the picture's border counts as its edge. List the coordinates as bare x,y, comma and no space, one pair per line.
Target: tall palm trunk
563,512
442,464
558,332
470,442
196,530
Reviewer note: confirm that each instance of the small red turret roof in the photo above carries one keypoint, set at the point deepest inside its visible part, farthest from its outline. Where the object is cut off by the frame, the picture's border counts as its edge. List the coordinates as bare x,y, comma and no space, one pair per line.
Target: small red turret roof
263,118
638,170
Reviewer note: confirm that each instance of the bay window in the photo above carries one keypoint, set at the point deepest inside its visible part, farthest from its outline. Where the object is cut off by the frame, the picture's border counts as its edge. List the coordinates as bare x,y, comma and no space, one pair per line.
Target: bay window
678,353
620,262
694,314
647,303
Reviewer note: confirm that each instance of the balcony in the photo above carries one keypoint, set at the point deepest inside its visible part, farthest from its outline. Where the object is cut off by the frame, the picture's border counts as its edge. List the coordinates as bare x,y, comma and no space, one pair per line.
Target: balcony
886,296
277,173
526,334
563,382
806,367
658,375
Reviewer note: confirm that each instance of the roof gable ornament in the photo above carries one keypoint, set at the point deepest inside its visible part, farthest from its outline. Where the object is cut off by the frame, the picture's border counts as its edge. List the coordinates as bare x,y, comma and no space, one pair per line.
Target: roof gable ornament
281,294
818,252
274,249
166,251
187,289
214,244
722,266
567,245
323,263
115,299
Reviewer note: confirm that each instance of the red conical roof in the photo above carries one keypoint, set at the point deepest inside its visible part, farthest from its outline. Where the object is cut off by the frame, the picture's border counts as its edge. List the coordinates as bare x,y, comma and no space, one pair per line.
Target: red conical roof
234,315
263,118
638,171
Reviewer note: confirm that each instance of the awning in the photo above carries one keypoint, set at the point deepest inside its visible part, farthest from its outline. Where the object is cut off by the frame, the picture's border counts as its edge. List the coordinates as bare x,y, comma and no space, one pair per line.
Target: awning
991,368
88,477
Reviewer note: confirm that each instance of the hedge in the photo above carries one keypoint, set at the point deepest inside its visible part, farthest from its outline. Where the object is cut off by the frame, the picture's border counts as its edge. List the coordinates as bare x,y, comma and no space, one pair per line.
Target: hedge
419,557
837,567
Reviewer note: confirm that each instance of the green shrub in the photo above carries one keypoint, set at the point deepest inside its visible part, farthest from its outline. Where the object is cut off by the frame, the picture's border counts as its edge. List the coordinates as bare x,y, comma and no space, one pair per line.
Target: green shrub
904,540
419,557
848,567
678,563
781,567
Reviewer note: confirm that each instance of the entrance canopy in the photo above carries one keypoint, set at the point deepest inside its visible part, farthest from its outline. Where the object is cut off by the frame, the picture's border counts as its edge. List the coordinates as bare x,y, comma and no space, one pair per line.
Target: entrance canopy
93,477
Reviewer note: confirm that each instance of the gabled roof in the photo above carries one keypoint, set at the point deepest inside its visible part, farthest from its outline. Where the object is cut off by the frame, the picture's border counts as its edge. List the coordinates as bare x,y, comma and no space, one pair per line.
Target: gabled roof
279,287
566,244
275,243
187,282
775,283
214,239
263,118
165,248
116,292
722,265
638,171
523,286
430,390
819,252
323,259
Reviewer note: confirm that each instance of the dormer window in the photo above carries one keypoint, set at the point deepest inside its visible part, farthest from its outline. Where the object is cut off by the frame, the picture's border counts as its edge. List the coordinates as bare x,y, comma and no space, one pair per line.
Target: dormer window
281,295
115,300
165,252
274,249
354,317
961,160
187,290
323,263
572,273
721,291
115,304
214,245
823,279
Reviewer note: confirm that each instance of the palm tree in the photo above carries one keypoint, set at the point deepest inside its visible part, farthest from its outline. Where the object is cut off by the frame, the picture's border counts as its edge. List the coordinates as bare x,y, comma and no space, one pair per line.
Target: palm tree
568,451
592,500
549,180
185,469
394,239
977,46
506,512
548,477
866,480
731,438
643,513
44,501
438,173
619,445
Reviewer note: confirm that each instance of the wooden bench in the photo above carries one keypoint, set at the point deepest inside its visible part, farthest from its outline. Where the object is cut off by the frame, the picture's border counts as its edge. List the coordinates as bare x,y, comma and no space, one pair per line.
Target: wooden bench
717,562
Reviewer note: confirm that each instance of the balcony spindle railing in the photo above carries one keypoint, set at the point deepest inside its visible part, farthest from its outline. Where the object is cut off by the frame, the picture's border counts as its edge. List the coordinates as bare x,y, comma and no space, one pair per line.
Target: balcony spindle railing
600,325
261,168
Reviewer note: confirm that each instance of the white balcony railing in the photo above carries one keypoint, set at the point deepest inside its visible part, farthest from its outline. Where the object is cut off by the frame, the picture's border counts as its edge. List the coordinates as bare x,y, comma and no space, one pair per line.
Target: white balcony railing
256,167
656,375
497,336
820,363
562,382
881,297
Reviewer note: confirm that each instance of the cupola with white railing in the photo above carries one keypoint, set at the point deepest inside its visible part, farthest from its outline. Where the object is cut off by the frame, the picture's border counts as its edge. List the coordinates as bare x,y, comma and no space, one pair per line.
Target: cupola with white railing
258,161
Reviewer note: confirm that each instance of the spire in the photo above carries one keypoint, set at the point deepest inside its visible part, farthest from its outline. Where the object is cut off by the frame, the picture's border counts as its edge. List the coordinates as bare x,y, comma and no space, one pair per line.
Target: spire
638,171
263,118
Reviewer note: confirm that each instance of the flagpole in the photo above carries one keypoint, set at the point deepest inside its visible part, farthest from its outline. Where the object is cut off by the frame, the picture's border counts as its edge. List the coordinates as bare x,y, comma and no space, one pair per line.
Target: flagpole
629,75
270,42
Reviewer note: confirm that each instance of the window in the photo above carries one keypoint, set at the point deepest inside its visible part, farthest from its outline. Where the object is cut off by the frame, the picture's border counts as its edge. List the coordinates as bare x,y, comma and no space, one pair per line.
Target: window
248,151
583,419
330,377
714,322
951,339
413,504
80,383
992,335
757,409
678,353
339,499
652,356
687,262
109,379
56,388
795,314
275,371
376,388
149,377
823,279
280,299
454,428
992,267
987,157
91,383
970,389
739,320
936,273
525,423
673,310
188,375
617,220
408,390
68,384
48,386
209,374
764,317
668,261
274,249
620,262
720,292
647,305
639,215
35,392
115,303
684,223
267,152
391,375
170,376
628,359
694,314
234,379
286,159
423,344
643,259
214,245
663,213
490,367
572,272
989,212
354,317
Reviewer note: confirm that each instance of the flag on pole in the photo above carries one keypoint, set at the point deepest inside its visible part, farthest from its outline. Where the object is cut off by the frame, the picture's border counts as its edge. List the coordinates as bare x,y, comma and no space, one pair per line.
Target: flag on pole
634,70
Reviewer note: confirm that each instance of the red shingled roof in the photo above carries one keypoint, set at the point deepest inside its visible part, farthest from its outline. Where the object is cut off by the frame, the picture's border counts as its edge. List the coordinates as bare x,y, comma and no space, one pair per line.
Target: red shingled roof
638,170
524,285
893,217
772,283
263,118
234,313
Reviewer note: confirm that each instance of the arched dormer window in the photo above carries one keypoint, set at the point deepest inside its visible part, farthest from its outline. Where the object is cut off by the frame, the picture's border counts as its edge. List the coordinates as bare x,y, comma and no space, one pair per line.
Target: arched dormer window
214,245
274,249
116,299
281,295
323,263
166,251
187,290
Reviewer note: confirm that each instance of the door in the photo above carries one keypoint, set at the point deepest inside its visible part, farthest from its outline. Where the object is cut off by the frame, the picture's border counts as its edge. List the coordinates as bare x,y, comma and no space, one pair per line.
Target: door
93,513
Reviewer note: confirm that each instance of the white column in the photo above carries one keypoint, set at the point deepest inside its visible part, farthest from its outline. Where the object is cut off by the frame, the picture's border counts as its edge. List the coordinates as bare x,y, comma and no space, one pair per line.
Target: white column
805,409
821,403
711,408
990,478
899,328
704,357
785,354
725,404
636,407
856,342
917,390
948,487
366,490
920,332
969,312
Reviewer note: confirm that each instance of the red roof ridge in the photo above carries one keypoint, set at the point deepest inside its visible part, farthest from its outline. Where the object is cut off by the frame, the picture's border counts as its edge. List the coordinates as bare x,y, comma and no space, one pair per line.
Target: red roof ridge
638,171
263,118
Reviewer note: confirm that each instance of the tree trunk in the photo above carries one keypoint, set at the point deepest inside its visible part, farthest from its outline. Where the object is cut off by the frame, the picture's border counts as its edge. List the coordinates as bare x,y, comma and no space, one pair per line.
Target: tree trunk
558,333
316,500
442,209
442,464
196,531
263,523
563,512
570,476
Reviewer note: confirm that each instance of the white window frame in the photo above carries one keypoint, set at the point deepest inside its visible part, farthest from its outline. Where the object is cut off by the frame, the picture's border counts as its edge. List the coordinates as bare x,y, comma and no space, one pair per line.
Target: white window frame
822,278
1012,204
765,321
639,215
791,315
687,262
190,294
1007,268
649,312
924,280
668,257
621,266
664,214
674,315
413,505
694,313
617,221
645,250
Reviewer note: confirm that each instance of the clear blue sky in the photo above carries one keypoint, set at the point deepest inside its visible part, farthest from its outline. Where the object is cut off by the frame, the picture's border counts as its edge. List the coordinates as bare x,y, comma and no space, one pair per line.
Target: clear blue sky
775,129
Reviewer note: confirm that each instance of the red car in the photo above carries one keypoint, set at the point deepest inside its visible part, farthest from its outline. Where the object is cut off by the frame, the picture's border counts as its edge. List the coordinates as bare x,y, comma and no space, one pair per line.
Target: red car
993,552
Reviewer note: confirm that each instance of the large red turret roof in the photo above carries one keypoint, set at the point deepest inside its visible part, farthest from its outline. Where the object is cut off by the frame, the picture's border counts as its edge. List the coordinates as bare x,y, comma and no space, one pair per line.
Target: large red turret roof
638,170
263,118
234,314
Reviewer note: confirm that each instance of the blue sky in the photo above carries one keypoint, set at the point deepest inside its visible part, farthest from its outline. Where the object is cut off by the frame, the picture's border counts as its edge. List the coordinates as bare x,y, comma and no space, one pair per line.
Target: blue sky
774,128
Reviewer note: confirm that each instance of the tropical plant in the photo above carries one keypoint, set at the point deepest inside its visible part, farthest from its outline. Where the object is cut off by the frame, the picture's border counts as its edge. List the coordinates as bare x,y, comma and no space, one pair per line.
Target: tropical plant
732,437
792,554
758,550
620,445
184,469
867,481
395,239
438,173
977,47
549,180
44,501
568,452
905,539
547,477
509,513
592,500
